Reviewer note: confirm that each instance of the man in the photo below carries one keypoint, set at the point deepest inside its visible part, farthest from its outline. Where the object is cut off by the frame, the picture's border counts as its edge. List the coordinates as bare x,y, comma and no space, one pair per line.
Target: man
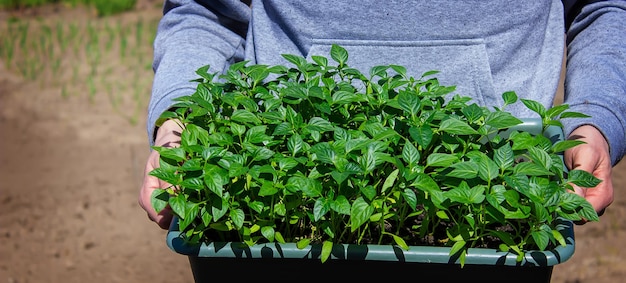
483,47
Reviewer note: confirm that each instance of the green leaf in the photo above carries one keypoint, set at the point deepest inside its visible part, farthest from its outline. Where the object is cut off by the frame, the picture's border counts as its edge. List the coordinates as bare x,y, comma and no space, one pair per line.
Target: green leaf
469,218
320,125
409,102
369,192
456,127
339,54
531,169
410,197
268,189
368,161
535,107
273,117
399,241
324,152
541,212
220,138
193,183
487,168
522,141
390,180
159,199
175,153
166,175
462,195
280,209
386,135
268,233
540,157
238,217
321,207
464,170
503,248
212,152
564,145
236,169
256,135
262,153
287,163
295,91
509,97
327,248
191,214
215,178
178,204
501,120
541,238
344,97
583,178
422,135
299,61
360,213
401,70
303,243
193,135
205,216
380,71
356,144
167,115
257,206
430,73
258,72
410,154
559,237
556,110
244,116
442,215
588,212
504,237
203,72
309,187
279,237
192,165
219,208
458,247
295,144
441,160
504,157
473,112
340,177
341,205
320,60
426,183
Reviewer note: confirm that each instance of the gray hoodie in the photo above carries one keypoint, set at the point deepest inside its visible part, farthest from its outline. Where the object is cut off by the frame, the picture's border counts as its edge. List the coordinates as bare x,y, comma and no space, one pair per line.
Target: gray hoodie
483,47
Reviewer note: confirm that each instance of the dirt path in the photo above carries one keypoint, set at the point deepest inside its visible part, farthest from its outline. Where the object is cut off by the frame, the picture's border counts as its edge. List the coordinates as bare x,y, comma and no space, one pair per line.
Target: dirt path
70,169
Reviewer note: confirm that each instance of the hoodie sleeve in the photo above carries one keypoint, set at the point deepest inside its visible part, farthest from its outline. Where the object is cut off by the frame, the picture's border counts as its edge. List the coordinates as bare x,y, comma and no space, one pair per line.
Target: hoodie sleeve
192,34
595,82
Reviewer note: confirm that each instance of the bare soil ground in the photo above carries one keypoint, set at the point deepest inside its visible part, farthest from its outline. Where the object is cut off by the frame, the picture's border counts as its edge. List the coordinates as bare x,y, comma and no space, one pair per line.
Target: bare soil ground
70,171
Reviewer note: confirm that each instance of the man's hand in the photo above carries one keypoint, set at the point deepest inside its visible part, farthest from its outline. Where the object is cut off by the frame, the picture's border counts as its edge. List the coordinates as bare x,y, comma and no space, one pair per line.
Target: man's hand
592,157
168,135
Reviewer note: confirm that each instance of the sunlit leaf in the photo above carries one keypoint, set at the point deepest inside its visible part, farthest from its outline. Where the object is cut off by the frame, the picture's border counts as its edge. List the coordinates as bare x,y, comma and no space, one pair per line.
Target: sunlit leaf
339,54
456,126
359,213
159,199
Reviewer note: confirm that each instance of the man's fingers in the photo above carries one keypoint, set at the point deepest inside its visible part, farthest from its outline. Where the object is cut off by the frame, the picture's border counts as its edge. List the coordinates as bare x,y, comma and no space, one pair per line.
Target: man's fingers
151,183
164,218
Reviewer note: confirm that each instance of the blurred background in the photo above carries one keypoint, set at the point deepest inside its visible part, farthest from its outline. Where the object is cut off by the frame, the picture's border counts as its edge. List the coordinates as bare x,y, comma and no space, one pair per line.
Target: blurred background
75,79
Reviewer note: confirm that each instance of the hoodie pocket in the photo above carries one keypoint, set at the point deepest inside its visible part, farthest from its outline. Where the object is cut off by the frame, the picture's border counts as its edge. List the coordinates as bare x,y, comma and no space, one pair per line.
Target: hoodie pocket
462,63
